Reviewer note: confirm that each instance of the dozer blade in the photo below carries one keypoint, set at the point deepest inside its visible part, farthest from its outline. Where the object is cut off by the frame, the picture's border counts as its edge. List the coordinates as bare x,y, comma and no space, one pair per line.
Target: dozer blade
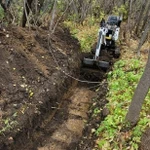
92,63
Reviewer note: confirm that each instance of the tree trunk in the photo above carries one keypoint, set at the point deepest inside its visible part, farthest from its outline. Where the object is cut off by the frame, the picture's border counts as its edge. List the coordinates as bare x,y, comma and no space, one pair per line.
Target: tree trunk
146,16
139,96
53,16
5,5
36,6
140,17
129,16
84,8
26,11
143,37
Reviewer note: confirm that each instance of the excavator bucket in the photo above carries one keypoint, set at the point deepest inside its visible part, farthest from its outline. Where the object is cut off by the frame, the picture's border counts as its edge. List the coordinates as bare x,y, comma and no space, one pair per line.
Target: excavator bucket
92,63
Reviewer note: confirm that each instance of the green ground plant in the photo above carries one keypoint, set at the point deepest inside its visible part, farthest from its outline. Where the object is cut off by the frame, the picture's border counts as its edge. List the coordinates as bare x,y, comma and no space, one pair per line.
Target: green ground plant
122,83
8,124
1,13
86,34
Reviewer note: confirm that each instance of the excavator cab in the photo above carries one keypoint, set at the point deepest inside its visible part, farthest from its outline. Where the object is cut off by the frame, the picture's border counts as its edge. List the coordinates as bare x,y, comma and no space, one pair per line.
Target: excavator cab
113,26
114,21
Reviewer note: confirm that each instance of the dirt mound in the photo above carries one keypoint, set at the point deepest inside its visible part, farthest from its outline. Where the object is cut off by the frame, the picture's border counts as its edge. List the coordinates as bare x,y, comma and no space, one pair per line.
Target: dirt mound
31,81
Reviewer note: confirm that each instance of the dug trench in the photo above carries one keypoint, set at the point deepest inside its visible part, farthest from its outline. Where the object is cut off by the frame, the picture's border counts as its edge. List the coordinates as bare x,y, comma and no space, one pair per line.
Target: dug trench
45,105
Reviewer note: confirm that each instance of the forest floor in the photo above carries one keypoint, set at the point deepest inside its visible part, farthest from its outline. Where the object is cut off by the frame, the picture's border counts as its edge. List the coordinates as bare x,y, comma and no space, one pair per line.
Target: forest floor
41,107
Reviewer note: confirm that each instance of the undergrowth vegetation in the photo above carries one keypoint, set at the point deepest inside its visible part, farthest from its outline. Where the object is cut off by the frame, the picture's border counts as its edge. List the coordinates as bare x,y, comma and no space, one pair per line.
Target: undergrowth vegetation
86,34
122,83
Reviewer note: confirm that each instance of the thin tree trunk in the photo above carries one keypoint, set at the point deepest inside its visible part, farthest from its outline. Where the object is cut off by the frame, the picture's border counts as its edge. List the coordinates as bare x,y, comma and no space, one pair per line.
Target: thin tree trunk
5,5
140,17
146,16
139,96
84,8
129,16
53,16
58,20
143,37
74,7
26,11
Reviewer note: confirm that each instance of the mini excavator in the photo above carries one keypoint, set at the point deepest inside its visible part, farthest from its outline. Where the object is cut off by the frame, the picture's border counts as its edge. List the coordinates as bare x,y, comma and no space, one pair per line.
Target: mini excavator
108,34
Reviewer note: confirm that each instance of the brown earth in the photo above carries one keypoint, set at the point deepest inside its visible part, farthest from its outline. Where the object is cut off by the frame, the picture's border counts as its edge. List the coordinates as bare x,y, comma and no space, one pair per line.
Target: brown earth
31,82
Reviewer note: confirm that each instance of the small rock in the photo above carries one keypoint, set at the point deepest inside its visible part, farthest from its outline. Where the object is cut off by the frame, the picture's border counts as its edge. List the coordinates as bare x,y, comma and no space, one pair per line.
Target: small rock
94,104
10,140
15,106
23,85
14,85
7,35
93,130
47,90
40,102
105,112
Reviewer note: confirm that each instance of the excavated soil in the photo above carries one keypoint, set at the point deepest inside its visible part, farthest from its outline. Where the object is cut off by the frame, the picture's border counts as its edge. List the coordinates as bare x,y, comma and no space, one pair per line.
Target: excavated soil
31,82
